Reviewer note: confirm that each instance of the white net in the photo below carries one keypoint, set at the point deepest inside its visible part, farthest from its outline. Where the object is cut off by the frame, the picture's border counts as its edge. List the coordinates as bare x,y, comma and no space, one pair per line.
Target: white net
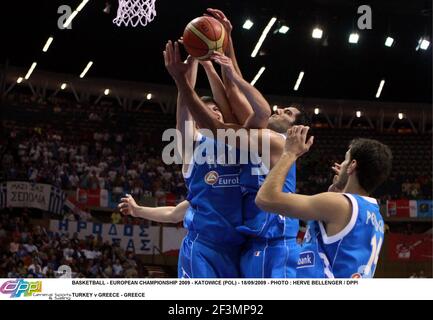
134,12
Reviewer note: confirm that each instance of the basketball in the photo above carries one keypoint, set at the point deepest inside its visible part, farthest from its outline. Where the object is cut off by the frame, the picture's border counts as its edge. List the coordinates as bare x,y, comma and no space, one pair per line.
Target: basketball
203,36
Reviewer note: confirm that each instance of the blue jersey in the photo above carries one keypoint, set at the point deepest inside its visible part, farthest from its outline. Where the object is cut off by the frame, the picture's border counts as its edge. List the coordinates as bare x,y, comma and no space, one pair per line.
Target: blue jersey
214,194
259,223
352,253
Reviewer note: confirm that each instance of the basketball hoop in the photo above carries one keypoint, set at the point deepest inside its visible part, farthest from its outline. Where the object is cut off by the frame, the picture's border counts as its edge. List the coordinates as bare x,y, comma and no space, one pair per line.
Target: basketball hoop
133,12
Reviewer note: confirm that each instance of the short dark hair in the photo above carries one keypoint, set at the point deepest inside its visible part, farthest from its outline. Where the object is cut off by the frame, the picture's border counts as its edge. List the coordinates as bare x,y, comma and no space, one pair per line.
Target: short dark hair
302,119
207,99
374,162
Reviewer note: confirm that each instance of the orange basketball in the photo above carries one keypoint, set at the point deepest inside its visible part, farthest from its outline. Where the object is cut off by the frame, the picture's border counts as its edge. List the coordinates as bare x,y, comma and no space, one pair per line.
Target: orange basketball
203,36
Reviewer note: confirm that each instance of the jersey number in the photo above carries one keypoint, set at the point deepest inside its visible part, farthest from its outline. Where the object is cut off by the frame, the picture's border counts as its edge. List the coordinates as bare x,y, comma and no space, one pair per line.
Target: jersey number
374,257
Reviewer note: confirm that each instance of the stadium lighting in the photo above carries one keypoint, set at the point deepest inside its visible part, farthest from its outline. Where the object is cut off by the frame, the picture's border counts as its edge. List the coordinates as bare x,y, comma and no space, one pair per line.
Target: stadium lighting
298,82
400,115
89,65
263,37
283,29
69,20
389,42
82,4
354,38
316,111
29,73
63,86
423,44
47,44
248,24
107,92
19,80
358,114
379,90
317,33
74,14
274,108
149,96
258,75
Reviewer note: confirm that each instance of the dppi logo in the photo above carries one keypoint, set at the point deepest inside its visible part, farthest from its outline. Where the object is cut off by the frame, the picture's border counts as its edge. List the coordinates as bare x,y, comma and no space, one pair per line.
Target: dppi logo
18,287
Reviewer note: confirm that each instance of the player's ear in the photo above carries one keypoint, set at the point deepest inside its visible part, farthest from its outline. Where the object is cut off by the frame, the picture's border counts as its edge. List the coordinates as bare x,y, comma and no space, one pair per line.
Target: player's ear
352,167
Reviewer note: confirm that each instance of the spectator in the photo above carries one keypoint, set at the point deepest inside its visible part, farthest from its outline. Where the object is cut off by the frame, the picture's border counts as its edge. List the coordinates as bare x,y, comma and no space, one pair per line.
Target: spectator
117,269
68,252
30,247
14,246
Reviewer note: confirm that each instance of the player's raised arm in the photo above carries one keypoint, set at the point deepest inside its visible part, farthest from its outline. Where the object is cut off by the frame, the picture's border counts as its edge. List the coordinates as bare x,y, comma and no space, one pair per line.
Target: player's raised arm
327,207
261,108
230,51
179,72
218,91
128,206
241,108
184,119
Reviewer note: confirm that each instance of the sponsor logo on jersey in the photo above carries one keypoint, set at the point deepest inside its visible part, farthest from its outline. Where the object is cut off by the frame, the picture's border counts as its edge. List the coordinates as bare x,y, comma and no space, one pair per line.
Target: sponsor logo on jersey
211,178
221,181
306,259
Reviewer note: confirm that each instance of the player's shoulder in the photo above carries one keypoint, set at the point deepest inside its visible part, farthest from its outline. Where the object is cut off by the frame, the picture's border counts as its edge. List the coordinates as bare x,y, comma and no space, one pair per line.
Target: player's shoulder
333,199
276,139
335,206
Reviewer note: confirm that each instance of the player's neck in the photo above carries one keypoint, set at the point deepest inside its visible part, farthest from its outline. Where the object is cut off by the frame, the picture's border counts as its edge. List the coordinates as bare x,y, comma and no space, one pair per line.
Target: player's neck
353,187
276,128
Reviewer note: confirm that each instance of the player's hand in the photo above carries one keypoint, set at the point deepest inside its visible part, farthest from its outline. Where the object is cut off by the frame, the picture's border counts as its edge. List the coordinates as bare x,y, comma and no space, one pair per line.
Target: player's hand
128,206
296,141
205,63
336,168
334,186
221,17
225,62
174,64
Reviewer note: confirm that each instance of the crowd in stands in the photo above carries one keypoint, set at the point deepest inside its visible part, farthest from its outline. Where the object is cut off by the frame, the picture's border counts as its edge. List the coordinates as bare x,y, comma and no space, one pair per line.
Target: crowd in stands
31,251
120,163
73,146
105,161
90,147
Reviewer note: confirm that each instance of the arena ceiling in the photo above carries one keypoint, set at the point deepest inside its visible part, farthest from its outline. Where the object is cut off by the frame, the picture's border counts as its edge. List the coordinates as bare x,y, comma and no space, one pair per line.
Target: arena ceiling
333,67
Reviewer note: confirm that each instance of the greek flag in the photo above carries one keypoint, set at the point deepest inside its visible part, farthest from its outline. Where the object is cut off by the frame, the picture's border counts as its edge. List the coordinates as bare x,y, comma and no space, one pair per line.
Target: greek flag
57,200
3,194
